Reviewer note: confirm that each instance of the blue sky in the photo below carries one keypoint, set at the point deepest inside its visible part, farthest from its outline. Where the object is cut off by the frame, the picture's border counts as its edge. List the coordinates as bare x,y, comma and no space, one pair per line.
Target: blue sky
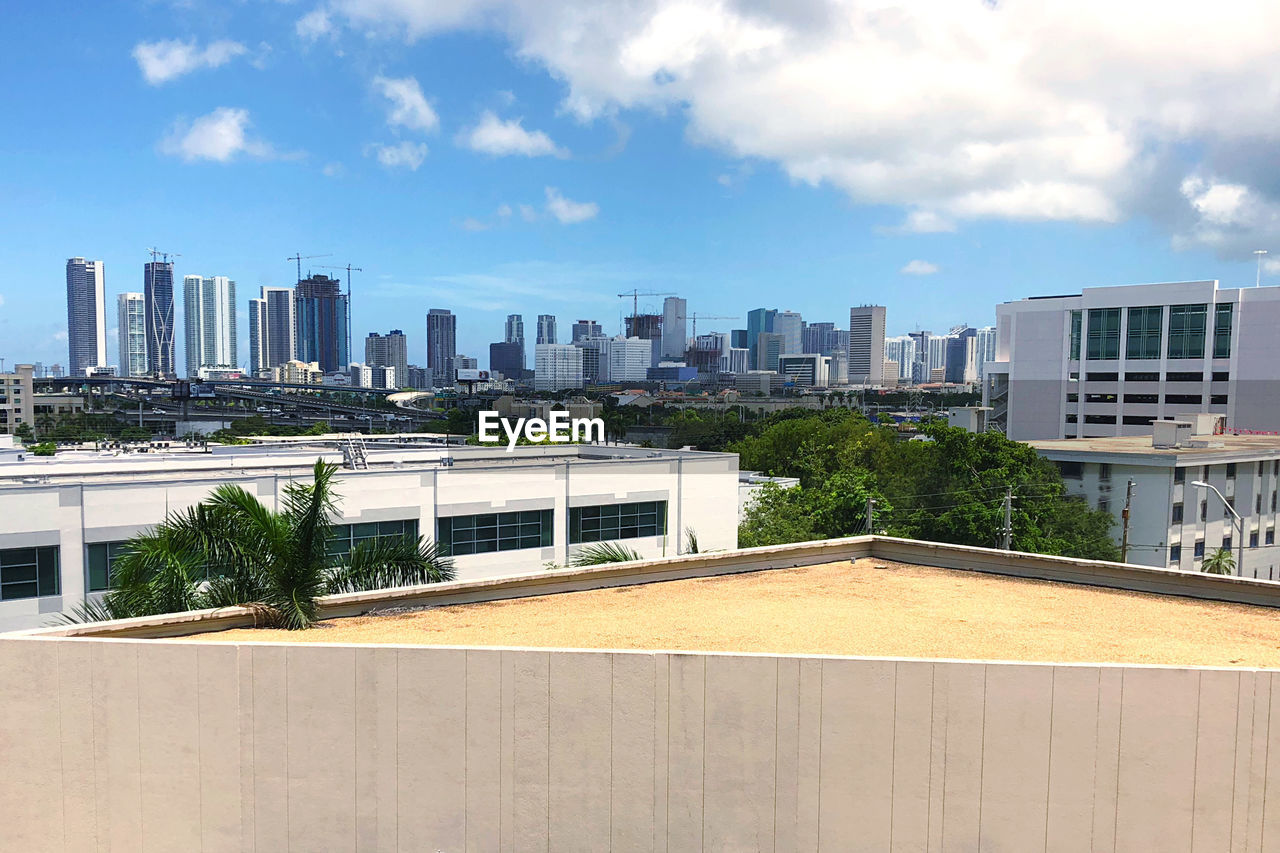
656,147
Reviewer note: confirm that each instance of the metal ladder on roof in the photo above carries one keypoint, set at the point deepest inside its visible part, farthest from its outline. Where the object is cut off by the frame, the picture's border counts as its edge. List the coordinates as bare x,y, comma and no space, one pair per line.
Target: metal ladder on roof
353,453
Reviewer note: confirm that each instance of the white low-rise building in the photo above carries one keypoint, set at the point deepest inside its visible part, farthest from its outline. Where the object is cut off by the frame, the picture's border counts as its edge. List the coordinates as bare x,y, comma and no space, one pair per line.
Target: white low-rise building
63,519
1173,523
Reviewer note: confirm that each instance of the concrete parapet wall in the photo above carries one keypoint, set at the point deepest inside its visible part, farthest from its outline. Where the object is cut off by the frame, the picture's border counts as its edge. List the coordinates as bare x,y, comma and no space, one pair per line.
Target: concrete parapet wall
141,745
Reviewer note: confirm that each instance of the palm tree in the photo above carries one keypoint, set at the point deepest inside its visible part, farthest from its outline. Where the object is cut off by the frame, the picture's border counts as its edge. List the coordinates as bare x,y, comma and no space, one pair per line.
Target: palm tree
1221,562
233,550
604,552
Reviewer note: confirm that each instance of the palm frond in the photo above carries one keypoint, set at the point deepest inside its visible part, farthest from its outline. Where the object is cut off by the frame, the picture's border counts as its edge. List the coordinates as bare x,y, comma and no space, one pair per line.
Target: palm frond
308,507
691,540
600,553
391,562
94,610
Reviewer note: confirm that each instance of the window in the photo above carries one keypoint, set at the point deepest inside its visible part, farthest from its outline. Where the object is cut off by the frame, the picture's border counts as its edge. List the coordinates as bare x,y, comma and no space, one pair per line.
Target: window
1222,330
1075,335
1253,539
1073,398
1099,419
1204,511
1104,472
1071,419
1099,398
1102,377
1275,468
1137,420
617,521
494,531
344,537
1231,470
1189,399
1104,334
1186,331
28,572
1175,554
1226,542
1199,550
1144,332
102,563
1273,501
1142,398
1179,475
1177,514
1221,376
1104,504
1217,399
1184,376
1271,536
1071,470
1141,376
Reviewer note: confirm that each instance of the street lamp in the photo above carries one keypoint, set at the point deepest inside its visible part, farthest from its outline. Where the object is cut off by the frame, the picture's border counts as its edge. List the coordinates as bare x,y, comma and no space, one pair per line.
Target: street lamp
1236,522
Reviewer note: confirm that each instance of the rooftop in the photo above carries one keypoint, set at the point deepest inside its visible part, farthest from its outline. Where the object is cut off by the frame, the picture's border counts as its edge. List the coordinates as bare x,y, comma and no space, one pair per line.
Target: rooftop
1205,448
868,607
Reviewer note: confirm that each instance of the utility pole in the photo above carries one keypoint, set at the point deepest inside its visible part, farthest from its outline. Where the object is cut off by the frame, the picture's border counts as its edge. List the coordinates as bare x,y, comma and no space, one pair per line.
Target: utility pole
871,516
1006,532
1124,517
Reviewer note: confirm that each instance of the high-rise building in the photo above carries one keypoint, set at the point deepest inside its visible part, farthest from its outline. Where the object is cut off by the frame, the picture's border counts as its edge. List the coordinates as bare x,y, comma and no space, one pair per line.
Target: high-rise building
507,358
546,329
647,327
157,291
17,398
770,346
209,315
759,321
1109,361
557,367
584,329
595,359
515,329
986,349
321,309
902,350
962,355
629,359
790,325
131,312
675,312
273,329
738,339
806,371
442,346
86,316
866,345
817,337
389,350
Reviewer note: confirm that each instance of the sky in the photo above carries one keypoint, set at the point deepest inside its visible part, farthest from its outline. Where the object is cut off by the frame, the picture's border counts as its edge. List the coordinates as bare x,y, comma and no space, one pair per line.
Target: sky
543,156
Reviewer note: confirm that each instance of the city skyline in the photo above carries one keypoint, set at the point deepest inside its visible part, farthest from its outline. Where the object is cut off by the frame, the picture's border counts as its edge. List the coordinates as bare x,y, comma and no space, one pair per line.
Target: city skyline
548,182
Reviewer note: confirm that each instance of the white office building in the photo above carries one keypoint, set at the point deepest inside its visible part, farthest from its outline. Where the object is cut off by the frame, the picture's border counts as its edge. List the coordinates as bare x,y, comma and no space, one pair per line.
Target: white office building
131,315
1172,522
805,370
790,325
1110,360
866,345
628,359
675,312
556,367
985,349
209,312
902,351
63,521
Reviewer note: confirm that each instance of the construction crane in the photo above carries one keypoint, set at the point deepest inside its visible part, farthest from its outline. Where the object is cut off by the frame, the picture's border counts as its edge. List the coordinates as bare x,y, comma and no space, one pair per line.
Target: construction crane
696,317
163,256
349,268
300,258
635,298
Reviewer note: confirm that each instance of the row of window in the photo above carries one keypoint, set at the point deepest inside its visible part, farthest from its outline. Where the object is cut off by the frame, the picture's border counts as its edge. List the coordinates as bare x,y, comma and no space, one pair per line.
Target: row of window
1177,399
1152,376
1175,551
33,572
1187,329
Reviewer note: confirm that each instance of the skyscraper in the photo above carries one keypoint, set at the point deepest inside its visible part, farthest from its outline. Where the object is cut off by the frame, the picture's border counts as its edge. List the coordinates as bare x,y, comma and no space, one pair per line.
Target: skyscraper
759,321
770,347
389,350
546,329
273,329
507,358
584,329
157,291
790,325
442,346
321,309
132,317
515,329
866,345
557,367
674,337
209,322
86,316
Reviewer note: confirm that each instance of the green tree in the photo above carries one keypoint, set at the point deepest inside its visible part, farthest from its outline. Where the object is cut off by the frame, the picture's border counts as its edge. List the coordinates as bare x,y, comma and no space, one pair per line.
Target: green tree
233,550
24,434
775,516
1220,562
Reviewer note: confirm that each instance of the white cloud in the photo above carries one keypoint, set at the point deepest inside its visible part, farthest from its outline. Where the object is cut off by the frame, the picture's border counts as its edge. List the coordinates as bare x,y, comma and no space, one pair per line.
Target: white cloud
333,170
473,224
967,110
409,107
923,222
500,138
403,155
162,61
314,25
504,211
567,211
222,135
528,213
1,300
1230,218
918,267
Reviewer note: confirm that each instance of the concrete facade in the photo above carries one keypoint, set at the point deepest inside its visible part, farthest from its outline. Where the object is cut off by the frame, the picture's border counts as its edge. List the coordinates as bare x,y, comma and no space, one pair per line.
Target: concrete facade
102,500
133,744
1043,382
